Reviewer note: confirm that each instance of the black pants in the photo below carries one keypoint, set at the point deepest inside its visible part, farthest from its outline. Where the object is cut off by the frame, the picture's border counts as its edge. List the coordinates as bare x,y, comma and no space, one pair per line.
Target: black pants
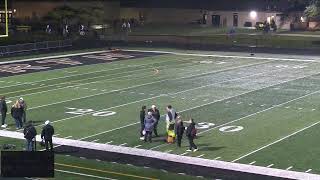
141,130
3,117
47,142
191,143
148,136
155,126
179,138
24,116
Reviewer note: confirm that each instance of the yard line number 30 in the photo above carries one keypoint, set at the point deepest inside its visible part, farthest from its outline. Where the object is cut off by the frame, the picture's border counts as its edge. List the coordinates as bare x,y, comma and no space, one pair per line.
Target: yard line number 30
95,113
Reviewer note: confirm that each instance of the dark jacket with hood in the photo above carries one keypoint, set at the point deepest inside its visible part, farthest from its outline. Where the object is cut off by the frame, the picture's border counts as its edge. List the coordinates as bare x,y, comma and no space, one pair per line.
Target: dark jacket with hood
191,128
29,132
47,132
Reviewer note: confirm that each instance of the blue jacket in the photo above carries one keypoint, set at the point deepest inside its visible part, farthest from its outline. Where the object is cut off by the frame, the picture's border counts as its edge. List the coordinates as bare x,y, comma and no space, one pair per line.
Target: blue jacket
149,122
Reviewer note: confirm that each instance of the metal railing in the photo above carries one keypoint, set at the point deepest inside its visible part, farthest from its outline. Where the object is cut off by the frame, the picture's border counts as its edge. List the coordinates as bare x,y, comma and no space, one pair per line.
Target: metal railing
20,48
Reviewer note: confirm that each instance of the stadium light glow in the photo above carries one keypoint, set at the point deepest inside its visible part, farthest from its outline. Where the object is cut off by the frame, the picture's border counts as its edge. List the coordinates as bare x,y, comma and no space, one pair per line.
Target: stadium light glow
253,14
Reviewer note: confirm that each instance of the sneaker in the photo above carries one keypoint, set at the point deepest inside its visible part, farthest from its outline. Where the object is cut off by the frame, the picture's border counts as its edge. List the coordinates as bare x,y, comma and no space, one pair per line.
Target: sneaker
141,138
4,126
189,150
195,150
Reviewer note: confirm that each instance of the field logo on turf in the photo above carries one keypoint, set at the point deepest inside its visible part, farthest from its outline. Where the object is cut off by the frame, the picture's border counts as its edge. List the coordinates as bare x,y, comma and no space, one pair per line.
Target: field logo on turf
65,61
20,68
108,56
206,125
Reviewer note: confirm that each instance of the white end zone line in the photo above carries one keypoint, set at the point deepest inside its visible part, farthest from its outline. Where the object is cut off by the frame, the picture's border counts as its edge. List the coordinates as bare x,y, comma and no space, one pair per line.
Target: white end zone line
279,140
224,56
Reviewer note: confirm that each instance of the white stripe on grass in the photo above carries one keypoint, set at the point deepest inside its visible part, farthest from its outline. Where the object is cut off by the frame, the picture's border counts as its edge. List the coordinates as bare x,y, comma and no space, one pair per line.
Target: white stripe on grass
270,165
166,95
309,170
226,56
154,82
217,158
277,141
252,162
288,168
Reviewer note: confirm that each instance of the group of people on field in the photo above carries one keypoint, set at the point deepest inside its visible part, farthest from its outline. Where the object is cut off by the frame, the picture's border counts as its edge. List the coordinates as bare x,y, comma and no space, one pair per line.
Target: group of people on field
149,119
18,113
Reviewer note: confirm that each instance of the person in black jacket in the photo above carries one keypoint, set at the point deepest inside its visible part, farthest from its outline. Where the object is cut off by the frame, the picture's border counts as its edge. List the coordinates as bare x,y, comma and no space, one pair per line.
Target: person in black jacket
142,116
16,113
156,116
30,133
46,135
3,111
180,130
191,134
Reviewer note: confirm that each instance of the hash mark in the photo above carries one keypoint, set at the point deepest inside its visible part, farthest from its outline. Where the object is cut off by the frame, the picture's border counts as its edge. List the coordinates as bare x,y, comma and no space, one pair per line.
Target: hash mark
252,162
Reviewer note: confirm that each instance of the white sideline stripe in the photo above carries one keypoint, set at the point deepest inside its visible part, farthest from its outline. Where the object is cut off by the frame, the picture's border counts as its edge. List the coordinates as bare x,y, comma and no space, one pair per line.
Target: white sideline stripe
137,146
154,82
109,142
217,158
169,151
281,139
308,170
95,140
123,144
225,56
252,162
270,165
68,137
289,168
200,155
82,174
173,157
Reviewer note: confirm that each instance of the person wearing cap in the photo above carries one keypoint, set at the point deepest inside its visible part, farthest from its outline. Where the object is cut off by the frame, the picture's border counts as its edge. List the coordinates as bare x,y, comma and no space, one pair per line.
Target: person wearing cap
148,126
46,135
156,116
3,111
23,105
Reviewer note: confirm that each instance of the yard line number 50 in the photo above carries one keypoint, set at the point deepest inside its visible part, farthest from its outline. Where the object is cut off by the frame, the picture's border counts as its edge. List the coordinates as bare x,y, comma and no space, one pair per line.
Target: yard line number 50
95,113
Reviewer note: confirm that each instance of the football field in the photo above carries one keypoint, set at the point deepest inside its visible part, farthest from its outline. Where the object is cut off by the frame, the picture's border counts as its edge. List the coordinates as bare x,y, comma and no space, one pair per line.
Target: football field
257,110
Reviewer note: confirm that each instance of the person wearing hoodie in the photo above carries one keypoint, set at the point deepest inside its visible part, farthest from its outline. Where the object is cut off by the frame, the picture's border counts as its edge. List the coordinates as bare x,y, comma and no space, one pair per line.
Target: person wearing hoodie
142,116
148,127
46,135
23,105
3,111
156,116
16,113
180,130
191,134
30,133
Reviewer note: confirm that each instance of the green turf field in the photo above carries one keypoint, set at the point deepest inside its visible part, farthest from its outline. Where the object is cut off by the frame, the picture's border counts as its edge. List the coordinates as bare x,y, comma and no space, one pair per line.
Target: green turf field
261,111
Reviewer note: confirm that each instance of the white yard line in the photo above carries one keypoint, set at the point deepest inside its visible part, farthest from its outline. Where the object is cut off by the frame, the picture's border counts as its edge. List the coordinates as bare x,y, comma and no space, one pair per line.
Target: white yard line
225,56
309,170
289,168
82,174
279,140
270,165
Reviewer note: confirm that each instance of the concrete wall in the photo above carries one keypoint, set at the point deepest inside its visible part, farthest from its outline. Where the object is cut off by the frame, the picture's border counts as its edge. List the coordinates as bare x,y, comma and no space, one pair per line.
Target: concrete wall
185,16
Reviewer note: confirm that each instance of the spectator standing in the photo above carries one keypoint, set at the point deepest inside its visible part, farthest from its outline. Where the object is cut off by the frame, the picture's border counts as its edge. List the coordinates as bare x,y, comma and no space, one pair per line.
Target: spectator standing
180,130
142,116
171,116
148,127
156,116
23,105
3,111
191,134
30,133
46,135
16,113
128,26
